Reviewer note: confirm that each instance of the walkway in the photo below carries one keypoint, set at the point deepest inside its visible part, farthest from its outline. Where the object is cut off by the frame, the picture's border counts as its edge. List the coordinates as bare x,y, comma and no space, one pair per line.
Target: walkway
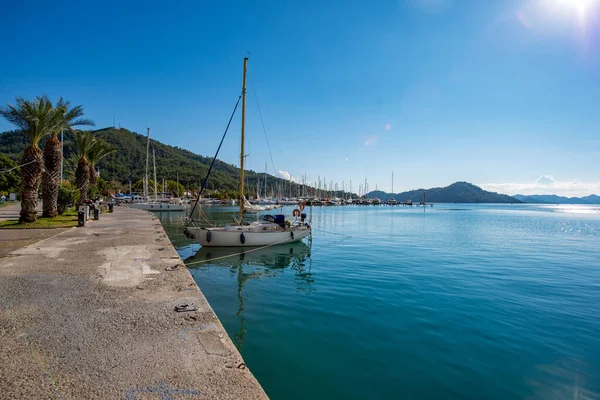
89,314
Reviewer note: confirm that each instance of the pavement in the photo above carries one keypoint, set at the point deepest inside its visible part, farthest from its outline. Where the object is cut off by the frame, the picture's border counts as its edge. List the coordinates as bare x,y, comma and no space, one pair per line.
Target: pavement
89,314
10,211
13,239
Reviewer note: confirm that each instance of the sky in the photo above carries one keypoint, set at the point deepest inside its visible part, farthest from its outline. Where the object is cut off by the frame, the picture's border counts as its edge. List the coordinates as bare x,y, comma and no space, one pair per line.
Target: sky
504,94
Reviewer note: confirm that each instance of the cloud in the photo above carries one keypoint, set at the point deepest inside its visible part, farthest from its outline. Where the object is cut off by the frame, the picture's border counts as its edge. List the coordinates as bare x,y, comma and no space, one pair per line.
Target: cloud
370,140
546,184
388,127
545,180
286,175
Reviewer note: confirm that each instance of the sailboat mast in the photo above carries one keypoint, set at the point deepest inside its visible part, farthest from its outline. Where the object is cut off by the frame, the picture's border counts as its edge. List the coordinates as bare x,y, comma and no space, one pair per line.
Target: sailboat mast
242,145
147,151
392,182
154,163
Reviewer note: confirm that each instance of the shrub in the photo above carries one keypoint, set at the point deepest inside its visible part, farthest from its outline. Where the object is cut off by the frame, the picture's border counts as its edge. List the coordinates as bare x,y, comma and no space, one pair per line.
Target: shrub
67,197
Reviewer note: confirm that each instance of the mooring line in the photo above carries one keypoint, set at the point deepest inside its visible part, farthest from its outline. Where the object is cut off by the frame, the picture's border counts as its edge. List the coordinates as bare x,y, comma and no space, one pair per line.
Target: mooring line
237,254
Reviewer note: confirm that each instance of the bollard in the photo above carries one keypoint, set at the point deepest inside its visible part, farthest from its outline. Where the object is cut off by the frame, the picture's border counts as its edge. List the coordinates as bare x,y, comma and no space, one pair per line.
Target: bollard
81,218
110,207
96,213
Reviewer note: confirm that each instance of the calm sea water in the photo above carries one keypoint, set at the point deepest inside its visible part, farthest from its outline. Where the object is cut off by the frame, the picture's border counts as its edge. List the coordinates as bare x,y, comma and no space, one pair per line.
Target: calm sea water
454,302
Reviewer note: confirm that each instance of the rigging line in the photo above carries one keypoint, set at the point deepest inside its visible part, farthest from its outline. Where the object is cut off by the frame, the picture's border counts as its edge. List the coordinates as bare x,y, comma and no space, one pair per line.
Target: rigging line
18,166
215,157
131,174
263,126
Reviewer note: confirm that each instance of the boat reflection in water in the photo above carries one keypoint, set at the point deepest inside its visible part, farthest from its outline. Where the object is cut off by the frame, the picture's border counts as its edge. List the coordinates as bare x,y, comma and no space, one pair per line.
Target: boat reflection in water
248,263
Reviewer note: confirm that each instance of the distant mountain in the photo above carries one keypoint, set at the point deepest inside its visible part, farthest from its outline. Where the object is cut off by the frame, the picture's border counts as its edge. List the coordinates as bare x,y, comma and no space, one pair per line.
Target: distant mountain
554,199
458,192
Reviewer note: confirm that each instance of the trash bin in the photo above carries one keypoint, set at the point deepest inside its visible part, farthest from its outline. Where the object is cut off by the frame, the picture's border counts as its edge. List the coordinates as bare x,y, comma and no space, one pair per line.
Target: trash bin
96,213
110,207
81,218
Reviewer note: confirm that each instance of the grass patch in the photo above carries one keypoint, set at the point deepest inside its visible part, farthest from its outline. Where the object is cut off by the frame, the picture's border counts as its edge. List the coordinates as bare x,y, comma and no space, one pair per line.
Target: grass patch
67,220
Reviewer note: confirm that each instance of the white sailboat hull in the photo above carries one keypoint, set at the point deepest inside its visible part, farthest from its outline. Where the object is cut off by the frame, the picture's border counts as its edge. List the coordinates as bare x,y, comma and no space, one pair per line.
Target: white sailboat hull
157,206
220,237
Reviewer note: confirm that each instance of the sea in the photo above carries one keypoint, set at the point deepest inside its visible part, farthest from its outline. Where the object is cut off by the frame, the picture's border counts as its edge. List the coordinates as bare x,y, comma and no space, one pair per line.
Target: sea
454,301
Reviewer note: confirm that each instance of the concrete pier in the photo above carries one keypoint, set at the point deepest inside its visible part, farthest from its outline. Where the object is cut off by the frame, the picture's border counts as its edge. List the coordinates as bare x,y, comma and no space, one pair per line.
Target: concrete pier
89,314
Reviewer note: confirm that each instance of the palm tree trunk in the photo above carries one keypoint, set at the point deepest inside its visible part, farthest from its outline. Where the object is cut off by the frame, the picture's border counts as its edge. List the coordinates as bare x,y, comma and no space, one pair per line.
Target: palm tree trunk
82,179
93,175
52,158
30,181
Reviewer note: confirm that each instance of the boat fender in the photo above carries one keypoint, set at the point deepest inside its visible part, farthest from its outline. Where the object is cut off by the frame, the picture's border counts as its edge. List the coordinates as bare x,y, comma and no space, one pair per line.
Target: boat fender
292,235
208,236
242,238
296,213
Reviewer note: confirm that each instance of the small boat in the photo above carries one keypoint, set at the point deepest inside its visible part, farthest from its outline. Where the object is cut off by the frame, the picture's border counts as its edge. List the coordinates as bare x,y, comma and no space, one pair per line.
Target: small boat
271,230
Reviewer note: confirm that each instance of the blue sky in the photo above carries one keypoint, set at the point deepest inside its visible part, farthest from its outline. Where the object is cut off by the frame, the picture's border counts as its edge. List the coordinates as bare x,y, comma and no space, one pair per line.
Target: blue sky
498,93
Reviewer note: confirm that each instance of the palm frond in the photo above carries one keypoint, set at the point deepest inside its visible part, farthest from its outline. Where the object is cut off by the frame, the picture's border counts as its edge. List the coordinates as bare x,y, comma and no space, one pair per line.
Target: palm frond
71,116
35,118
84,142
99,150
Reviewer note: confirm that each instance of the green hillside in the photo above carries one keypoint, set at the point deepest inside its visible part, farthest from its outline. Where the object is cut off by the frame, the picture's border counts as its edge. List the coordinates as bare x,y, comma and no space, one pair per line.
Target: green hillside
458,192
130,160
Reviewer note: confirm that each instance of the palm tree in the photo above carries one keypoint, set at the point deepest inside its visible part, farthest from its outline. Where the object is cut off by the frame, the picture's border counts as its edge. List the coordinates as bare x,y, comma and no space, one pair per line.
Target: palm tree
66,119
84,142
100,149
36,119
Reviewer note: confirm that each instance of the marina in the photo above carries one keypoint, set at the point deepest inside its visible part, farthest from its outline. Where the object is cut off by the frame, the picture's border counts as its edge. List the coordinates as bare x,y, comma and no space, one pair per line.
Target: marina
285,200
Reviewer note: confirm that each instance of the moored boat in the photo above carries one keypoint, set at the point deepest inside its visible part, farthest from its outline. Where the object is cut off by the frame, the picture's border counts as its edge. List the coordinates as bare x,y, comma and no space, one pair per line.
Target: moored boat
271,230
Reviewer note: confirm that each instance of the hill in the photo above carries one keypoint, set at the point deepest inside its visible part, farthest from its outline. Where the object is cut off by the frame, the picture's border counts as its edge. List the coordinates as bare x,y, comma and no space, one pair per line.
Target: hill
130,160
458,192
554,199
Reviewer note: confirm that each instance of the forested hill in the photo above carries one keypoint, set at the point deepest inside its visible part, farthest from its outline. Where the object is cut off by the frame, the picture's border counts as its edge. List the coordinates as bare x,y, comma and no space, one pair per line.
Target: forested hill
130,160
458,192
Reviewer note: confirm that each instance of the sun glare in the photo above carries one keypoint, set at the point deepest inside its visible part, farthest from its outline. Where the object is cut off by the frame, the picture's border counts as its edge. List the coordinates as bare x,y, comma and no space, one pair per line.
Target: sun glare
559,14
579,6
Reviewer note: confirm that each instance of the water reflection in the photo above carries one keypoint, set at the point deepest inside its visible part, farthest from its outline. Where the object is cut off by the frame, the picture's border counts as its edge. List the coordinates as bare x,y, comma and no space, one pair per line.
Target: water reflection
248,263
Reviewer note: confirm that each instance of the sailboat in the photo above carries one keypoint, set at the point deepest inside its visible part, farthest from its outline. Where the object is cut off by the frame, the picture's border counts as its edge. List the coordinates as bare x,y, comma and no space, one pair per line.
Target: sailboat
154,205
271,230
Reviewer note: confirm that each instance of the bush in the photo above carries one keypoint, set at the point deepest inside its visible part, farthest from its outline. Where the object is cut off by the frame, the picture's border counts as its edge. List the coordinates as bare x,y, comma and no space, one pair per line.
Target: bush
67,197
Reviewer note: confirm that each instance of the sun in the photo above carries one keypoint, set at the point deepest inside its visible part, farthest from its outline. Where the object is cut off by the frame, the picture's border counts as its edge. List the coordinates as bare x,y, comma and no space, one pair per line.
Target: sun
581,10
581,6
